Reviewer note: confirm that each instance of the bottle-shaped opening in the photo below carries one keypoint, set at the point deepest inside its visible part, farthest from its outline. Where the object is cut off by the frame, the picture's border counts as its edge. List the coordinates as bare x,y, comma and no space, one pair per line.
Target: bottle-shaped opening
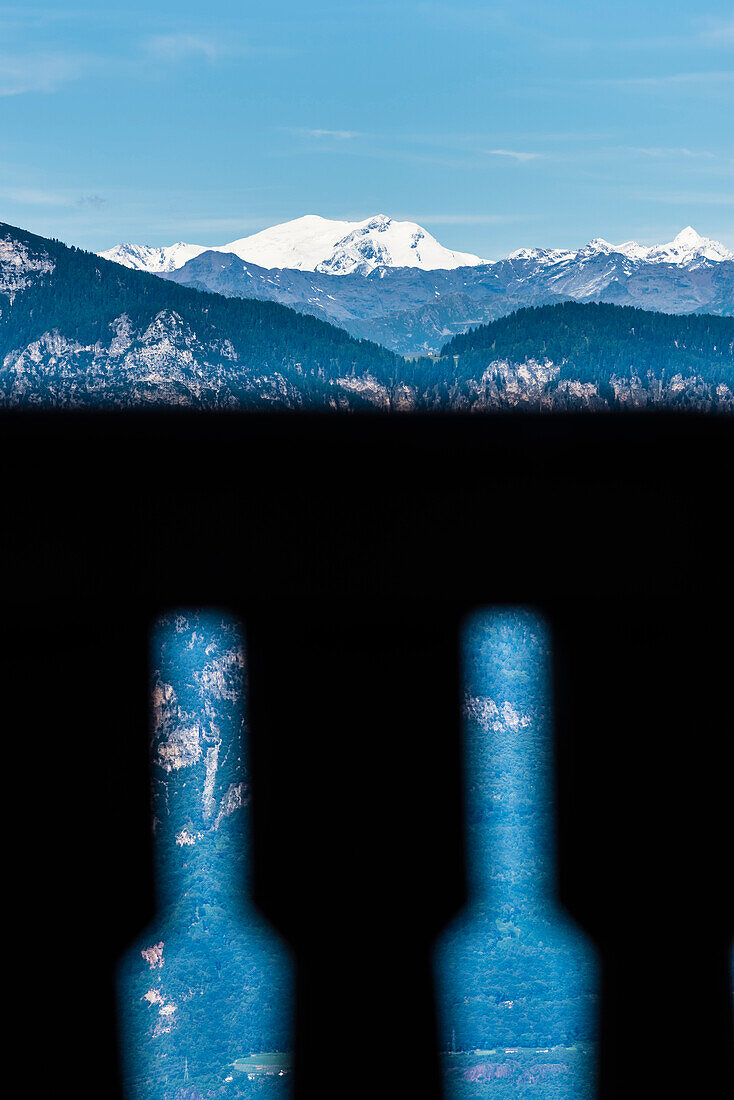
205,995
516,981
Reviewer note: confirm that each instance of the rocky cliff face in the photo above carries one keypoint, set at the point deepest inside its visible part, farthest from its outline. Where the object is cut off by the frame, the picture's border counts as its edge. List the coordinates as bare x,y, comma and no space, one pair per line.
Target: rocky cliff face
164,362
539,386
20,266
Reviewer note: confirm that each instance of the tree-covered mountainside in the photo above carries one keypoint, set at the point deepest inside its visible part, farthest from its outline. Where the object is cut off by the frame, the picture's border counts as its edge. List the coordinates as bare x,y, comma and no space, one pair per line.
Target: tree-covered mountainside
594,342
100,312
591,355
77,330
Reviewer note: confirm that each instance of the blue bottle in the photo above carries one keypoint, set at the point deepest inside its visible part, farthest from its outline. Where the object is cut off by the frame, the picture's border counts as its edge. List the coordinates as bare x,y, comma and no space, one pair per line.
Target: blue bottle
517,983
205,995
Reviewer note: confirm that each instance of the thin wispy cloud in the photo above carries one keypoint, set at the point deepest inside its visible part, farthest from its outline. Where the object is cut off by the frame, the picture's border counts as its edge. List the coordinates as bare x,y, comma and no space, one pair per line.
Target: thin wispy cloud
28,18
718,32
659,152
39,196
670,80
469,17
40,72
481,140
400,155
34,196
686,198
469,219
338,135
182,47
228,227
515,154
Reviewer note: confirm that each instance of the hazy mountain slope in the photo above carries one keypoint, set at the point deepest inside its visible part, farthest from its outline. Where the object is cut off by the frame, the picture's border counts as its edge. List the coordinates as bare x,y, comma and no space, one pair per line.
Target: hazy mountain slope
350,300
513,1016
413,311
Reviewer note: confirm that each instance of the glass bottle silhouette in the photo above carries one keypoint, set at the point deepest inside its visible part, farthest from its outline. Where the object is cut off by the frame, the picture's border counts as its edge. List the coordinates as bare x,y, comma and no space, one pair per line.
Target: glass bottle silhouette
516,981
205,994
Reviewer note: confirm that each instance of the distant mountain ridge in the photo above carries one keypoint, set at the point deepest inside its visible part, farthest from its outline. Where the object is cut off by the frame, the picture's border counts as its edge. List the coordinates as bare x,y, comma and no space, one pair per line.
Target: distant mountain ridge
687,249
363,282
414,312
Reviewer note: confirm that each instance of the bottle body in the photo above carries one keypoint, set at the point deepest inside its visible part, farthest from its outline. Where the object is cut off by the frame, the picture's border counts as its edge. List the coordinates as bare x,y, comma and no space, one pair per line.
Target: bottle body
517,982
205,993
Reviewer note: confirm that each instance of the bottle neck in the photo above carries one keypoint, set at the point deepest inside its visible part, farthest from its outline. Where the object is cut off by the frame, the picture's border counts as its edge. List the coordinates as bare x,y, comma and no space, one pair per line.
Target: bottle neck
509,789
199,788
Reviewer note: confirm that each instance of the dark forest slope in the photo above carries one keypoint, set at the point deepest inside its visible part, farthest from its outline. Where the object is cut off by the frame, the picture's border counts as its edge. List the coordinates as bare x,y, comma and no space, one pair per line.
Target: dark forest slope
104,316
595,341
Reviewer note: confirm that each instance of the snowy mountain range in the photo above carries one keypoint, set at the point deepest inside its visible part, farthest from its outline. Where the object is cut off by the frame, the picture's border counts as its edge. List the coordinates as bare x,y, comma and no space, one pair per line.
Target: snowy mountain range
393,283
688,249
312,243
331,247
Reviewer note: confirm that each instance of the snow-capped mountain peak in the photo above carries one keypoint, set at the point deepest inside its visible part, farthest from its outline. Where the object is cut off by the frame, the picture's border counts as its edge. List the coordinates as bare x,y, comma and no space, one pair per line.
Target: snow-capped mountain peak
144,258
301,244
689,248
688,238
541,255
313,243
598,245
383,242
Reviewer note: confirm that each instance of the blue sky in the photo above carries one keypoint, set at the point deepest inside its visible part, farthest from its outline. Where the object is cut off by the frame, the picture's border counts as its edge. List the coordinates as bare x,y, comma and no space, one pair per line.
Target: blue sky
495,124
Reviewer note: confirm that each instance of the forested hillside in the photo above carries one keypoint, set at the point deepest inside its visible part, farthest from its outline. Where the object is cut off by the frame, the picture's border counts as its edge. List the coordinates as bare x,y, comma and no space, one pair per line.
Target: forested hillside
595,341
592,356
98,310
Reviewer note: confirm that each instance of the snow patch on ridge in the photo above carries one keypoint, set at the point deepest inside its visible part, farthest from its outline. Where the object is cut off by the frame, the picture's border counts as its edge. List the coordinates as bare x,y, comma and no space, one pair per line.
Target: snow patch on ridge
142,257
